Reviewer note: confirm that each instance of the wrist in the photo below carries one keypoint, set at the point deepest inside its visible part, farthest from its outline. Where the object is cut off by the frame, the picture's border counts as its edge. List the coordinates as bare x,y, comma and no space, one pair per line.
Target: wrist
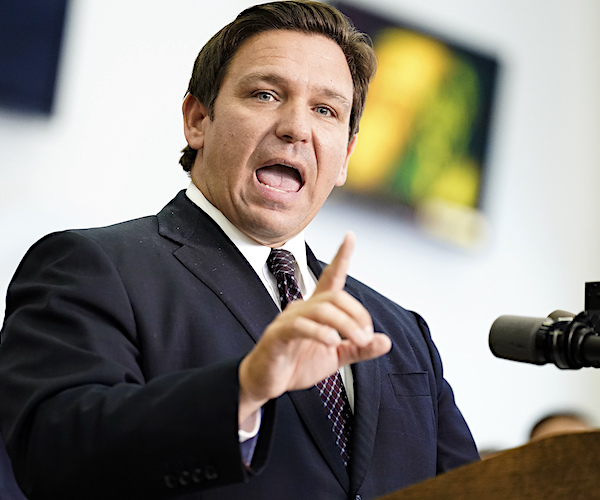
249,403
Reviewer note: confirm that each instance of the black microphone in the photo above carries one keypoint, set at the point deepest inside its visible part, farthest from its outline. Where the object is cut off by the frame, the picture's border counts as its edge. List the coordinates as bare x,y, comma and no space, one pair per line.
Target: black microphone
568,341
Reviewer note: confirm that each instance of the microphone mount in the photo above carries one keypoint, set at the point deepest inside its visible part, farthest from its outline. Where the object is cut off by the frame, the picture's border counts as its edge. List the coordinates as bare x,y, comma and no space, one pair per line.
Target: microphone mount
567,340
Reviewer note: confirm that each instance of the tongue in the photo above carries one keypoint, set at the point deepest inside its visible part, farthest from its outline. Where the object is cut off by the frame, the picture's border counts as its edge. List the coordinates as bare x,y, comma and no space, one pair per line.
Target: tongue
280,177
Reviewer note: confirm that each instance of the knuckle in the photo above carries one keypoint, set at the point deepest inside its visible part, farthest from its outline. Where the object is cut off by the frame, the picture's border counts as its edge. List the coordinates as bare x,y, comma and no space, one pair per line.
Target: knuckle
296,323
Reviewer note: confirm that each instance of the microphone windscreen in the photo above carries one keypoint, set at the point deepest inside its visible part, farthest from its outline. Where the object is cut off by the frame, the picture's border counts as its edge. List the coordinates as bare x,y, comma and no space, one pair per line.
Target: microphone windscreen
514,337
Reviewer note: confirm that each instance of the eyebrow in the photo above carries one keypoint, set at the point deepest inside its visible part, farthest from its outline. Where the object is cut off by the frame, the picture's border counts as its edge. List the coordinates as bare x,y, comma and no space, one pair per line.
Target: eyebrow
279,80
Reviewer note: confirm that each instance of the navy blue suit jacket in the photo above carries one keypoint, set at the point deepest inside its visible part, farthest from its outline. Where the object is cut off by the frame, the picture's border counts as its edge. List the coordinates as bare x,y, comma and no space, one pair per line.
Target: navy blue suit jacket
118,377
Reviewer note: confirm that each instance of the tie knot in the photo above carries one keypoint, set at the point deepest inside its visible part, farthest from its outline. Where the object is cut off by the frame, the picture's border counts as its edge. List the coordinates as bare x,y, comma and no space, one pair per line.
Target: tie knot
281,262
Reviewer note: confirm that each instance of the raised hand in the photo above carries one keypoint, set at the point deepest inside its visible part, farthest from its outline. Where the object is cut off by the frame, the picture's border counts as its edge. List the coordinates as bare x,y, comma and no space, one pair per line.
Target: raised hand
310,339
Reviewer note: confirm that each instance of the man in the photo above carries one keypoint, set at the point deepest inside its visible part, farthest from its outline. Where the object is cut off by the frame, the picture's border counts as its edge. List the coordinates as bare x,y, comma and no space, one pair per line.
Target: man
560,422
150,359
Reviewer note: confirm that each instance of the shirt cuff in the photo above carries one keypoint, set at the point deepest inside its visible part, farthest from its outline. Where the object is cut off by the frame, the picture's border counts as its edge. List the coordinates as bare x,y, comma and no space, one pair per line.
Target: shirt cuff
246,435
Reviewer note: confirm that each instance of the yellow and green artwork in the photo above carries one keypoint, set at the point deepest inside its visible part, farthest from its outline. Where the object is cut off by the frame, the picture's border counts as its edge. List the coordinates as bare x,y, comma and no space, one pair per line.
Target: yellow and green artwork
424,132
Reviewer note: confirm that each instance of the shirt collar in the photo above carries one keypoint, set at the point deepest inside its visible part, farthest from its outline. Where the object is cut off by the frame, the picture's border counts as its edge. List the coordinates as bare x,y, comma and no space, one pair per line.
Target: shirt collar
255,253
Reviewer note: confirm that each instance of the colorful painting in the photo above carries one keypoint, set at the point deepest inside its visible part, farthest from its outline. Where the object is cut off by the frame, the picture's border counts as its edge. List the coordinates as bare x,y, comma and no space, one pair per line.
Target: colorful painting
424,132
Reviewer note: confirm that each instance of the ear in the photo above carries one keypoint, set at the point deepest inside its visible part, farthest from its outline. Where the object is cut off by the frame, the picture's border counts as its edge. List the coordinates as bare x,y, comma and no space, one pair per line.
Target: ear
194,114
344,171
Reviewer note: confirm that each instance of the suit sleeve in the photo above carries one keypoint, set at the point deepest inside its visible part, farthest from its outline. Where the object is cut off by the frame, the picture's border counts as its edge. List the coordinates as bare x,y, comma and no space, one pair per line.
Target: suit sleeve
455,443
77,412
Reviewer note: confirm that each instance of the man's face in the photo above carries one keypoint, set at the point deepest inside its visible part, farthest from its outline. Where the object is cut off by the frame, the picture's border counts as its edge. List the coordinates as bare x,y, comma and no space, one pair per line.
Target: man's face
278,140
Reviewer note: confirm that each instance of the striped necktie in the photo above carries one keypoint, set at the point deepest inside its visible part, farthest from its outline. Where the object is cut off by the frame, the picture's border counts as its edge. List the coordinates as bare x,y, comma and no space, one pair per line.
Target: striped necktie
335,401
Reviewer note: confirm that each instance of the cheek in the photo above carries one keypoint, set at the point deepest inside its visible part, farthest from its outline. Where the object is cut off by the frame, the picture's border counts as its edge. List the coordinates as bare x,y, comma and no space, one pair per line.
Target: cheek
236,140
332,165
221,148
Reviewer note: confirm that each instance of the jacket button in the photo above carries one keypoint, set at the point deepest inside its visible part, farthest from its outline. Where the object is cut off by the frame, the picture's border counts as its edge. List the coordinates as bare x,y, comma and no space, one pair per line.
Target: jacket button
184,478
210,473
197,475
171,481
357,497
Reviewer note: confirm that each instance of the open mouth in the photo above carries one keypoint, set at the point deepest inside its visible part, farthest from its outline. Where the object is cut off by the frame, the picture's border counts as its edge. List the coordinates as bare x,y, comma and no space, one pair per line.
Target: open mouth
280,177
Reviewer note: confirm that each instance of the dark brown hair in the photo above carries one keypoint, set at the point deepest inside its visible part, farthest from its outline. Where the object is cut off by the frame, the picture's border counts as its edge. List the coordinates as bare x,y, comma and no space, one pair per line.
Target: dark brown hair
304,16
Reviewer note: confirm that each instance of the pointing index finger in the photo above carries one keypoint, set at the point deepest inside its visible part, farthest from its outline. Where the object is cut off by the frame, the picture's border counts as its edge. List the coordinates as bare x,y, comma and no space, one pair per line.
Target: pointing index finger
334,276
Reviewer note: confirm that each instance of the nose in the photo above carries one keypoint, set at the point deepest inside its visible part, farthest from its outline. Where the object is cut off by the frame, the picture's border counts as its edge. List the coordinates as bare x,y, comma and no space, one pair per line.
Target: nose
293,124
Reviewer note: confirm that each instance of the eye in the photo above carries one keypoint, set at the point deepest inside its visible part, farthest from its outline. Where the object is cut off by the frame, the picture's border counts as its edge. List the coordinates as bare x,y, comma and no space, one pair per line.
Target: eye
265,96
325,111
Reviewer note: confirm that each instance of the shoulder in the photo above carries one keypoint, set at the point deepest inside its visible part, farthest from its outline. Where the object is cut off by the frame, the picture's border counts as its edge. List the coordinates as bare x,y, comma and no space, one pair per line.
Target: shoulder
83,247
124,237
93,239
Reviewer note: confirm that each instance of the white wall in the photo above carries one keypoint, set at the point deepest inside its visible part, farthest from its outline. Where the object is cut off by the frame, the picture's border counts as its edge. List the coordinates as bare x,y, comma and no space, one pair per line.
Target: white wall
110,153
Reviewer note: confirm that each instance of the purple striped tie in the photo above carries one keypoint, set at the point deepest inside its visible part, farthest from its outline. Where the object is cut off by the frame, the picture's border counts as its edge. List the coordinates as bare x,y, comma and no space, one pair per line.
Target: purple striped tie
332,392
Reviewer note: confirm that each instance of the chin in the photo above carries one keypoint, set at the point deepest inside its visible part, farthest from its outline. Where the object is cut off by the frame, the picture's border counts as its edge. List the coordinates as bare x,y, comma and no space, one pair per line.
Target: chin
274,236
272,226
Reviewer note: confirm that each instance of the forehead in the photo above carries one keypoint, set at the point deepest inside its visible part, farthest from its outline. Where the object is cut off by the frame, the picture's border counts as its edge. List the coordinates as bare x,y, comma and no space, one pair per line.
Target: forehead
312,59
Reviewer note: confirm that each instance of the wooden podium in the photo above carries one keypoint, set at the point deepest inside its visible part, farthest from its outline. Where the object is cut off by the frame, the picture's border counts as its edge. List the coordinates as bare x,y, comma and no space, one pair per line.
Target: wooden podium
563,467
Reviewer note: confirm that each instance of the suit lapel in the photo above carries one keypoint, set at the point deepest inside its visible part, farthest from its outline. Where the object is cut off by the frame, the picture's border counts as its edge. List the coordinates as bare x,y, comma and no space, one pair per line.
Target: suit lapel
367,396
209,254
310,408
366,415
